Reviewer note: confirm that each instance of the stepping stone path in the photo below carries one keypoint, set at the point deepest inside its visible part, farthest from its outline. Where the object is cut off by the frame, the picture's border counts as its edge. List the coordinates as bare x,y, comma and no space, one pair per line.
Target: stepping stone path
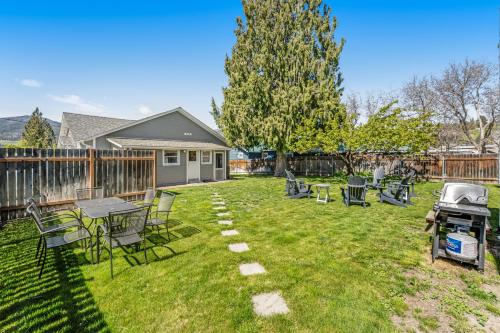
269,304
266,304
251,269
239,247
226,233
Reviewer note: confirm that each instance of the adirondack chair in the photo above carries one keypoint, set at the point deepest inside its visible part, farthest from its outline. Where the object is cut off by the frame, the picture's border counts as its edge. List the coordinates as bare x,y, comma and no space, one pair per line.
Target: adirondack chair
355,192
411,183
296,188
378,178
398,194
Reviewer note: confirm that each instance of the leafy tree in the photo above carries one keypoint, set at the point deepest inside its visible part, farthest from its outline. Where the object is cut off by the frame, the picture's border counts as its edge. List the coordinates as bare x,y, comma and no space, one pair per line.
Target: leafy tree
387,130
282,73
37,132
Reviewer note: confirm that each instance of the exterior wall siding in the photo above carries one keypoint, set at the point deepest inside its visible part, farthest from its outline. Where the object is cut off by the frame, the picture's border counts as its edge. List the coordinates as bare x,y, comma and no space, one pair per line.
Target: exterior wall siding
168,175
207,170
173,126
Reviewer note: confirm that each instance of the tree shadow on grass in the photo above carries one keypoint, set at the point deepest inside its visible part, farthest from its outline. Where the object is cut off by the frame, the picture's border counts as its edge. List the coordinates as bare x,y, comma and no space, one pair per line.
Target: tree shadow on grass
59,301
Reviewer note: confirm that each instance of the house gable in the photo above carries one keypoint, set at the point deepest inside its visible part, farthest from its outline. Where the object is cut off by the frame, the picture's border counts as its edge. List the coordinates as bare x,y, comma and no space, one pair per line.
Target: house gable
169,126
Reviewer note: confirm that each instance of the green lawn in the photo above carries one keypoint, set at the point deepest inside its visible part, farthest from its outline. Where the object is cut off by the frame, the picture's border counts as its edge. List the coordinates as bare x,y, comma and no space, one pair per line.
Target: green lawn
339,269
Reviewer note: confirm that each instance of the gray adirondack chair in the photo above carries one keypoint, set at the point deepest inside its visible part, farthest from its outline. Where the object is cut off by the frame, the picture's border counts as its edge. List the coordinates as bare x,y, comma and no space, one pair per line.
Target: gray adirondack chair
296,188
378,177
411,175
355,191
398,194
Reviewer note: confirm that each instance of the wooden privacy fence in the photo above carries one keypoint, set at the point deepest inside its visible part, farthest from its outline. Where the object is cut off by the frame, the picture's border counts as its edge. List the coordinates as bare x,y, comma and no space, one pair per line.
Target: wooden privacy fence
51,176
470,167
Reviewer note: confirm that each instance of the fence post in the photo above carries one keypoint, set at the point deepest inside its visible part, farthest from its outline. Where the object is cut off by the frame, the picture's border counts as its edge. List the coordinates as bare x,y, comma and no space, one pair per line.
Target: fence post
498,171
91,167
154,168
443,167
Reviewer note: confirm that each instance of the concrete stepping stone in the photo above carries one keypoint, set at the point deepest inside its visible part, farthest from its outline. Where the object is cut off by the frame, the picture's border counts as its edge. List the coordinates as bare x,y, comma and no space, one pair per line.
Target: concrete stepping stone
223,214
229,232
225,222
220,207
269,304
251,269
218,203
239,247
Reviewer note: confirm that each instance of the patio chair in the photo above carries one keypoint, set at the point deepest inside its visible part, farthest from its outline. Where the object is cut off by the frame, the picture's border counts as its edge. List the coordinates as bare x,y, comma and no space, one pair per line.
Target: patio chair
89,193
67,238
296,188
411,183
355,192
164,206
122,228
378,177
398,194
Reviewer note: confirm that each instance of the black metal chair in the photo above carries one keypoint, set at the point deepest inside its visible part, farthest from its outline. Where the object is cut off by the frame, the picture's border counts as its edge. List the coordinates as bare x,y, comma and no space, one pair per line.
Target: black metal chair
397,194
165,207
122,228
355,192
296,188
89,193
47,227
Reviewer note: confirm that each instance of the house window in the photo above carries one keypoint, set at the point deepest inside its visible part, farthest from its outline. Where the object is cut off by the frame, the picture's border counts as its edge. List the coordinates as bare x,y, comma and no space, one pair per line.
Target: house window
240,155
171,157
206,157
192,156
265,154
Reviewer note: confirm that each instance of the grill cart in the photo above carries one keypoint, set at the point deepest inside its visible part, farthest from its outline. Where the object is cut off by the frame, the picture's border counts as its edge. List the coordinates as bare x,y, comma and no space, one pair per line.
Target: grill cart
463,213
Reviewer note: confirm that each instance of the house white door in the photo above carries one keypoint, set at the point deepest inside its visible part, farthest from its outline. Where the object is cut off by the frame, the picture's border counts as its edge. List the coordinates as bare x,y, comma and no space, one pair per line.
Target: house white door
193,165
219,166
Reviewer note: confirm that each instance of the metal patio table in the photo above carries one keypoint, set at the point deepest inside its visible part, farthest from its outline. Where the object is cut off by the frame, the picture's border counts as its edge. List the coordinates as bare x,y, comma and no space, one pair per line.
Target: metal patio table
100,208
325,187
96,209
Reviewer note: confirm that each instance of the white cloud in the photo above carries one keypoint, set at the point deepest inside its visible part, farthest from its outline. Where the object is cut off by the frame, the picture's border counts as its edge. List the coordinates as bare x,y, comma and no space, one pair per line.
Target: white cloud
144,109
79,103
30,83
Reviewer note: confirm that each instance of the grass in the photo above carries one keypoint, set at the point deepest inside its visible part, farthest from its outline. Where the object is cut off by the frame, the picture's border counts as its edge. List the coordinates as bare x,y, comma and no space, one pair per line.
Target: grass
339,269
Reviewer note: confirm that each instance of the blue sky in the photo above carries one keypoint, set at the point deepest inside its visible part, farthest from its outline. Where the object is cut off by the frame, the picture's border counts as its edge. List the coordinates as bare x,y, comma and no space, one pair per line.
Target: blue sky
132,58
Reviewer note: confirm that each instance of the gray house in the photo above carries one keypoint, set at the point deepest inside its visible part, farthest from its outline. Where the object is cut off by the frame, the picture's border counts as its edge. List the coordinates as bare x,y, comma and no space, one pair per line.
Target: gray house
187,150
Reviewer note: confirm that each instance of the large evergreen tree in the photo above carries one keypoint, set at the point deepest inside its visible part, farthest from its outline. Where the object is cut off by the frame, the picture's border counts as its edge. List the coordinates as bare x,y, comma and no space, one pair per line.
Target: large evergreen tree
37,132
283,72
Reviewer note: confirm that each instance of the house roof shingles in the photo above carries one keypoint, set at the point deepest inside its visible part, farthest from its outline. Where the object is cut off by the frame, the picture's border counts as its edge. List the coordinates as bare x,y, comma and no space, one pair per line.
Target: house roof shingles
85,127
163,144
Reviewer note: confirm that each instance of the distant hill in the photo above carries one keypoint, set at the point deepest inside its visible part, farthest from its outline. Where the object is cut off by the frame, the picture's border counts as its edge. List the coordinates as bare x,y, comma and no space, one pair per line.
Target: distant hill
11,128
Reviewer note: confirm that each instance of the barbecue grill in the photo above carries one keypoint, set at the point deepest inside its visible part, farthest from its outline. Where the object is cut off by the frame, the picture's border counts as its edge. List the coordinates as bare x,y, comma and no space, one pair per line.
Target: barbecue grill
461,209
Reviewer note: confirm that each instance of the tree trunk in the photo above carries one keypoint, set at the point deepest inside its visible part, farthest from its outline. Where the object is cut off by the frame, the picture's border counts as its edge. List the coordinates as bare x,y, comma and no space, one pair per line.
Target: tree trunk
347,158
279,171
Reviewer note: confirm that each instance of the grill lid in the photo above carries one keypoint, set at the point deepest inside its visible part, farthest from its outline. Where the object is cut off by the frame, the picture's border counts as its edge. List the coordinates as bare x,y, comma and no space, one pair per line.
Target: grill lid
463,193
